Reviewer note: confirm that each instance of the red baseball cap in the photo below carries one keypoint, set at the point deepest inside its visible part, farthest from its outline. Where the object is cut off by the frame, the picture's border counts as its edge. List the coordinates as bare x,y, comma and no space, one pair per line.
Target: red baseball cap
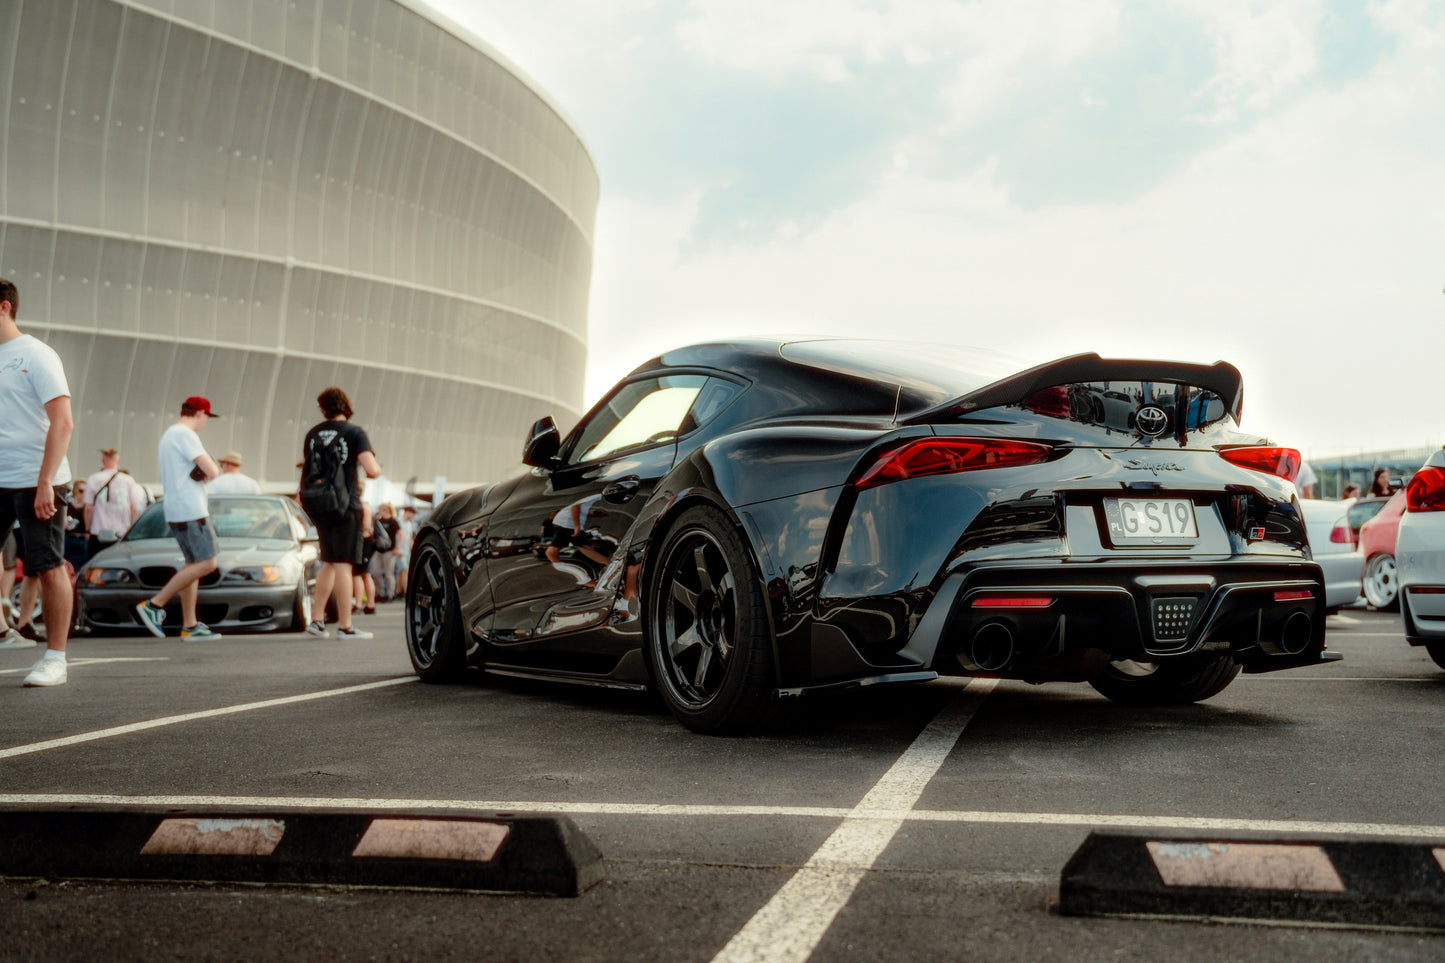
197,403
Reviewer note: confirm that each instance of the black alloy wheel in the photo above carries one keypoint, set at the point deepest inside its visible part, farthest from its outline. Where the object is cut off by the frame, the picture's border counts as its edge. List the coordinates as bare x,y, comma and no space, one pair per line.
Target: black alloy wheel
1174,682
708,641
433,617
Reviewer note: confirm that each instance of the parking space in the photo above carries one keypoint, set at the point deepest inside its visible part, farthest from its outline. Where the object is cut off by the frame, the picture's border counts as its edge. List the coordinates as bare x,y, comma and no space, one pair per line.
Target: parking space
863,806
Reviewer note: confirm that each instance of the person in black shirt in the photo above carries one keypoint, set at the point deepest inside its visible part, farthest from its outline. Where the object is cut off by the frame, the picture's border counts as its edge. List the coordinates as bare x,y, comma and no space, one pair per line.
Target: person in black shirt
340,539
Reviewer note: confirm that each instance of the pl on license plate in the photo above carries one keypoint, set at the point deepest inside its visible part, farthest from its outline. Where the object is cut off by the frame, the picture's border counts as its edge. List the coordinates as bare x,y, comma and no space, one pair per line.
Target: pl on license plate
1150,521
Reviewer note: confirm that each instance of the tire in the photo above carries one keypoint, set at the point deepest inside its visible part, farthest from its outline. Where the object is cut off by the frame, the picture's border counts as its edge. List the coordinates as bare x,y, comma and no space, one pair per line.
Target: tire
1382,589
1173,683
301,608
708,640
1437,652
433,616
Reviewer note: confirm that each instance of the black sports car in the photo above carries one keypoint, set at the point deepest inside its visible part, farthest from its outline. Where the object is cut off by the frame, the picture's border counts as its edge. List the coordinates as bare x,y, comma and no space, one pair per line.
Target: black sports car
738,523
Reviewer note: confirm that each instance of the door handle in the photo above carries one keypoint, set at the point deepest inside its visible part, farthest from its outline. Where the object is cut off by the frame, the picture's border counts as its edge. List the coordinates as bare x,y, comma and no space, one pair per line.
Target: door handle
623,490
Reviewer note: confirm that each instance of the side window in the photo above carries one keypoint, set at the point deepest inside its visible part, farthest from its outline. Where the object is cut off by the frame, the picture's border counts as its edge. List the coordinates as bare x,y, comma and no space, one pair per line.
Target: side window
716,395
640,412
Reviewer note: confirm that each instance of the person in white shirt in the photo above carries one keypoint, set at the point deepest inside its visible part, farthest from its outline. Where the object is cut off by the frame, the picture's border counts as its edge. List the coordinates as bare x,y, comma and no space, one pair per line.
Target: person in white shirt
232,481
113,501
35,429
185,469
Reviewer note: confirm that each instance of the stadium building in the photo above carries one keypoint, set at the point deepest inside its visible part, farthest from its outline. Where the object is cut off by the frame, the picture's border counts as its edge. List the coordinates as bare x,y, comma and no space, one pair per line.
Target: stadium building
254,199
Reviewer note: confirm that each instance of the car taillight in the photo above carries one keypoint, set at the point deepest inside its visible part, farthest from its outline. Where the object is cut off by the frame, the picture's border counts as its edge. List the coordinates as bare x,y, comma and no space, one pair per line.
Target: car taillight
1343,534
1284,462
1426,491
939,456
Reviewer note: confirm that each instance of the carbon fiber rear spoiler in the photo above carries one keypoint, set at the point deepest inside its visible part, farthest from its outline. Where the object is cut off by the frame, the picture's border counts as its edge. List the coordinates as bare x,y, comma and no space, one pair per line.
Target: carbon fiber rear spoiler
1221,378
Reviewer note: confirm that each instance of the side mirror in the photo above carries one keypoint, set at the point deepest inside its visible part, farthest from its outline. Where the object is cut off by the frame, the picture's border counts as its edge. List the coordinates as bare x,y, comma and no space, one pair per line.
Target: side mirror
543,443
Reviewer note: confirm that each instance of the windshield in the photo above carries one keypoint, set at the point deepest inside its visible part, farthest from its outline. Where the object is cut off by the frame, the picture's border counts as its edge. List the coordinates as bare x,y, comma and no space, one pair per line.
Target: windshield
233,517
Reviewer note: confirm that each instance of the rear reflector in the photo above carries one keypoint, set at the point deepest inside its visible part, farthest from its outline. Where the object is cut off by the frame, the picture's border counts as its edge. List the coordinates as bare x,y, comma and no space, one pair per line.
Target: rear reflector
1293,595
942,455
1284,462
1013,601
1426,590
1426,491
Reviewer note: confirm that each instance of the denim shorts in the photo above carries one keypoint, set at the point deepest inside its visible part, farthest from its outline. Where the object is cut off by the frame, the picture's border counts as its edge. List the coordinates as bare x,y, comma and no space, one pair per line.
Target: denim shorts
197,540
42,542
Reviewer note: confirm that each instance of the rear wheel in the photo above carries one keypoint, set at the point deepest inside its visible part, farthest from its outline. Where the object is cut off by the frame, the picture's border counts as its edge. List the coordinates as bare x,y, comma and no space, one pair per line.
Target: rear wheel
1437,652
708,639
1173,683
433,616
1381,588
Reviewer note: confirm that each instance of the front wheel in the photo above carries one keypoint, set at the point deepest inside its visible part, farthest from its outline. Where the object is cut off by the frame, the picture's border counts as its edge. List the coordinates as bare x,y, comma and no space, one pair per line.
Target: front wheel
301,608
708,639
433,615
1173,683
1382,590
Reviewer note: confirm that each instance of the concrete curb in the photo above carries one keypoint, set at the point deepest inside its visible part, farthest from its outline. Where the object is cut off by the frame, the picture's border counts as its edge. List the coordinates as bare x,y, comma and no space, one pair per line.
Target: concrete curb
504,853
1369,884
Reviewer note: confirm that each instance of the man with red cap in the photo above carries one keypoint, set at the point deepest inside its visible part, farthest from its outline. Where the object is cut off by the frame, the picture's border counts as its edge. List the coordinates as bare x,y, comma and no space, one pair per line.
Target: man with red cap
185,469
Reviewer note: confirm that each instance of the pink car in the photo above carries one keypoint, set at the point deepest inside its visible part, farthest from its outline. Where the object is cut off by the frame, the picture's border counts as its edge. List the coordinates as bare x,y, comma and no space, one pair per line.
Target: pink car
1377,544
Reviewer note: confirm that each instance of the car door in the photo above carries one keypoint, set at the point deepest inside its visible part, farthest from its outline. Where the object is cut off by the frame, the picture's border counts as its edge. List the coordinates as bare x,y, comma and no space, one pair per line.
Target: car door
553,557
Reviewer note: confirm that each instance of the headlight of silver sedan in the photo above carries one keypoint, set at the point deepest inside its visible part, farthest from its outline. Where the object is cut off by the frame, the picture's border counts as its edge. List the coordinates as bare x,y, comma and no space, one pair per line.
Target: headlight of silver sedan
256,574
109,576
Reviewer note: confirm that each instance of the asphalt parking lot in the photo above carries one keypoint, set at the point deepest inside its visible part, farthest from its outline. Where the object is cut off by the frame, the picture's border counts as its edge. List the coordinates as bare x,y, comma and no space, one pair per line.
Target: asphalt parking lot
929,822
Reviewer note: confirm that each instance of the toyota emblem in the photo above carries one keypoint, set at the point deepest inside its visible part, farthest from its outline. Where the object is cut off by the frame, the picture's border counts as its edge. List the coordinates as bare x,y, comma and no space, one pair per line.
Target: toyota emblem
1151,421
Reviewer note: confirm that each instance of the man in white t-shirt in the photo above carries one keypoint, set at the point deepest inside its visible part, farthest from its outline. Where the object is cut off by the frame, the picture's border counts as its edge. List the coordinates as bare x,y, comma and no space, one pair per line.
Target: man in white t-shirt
113,501
232,480
35,428
185,469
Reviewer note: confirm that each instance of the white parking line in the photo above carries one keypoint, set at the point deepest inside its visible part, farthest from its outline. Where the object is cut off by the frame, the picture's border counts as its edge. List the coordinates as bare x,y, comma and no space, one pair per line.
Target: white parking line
1000,818
193,716
75,662
791,924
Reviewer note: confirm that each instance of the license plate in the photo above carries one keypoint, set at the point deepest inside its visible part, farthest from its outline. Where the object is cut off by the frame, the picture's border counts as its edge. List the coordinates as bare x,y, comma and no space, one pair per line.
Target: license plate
1150,521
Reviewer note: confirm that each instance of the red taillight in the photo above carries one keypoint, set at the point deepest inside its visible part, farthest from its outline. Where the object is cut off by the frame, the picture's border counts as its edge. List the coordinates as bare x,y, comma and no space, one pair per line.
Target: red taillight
1293,595
1284,462
1013,601
1426,491
939,456
1343,534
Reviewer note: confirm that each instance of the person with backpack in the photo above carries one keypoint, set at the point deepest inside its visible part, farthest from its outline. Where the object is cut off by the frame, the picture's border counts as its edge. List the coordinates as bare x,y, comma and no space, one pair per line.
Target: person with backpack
331,495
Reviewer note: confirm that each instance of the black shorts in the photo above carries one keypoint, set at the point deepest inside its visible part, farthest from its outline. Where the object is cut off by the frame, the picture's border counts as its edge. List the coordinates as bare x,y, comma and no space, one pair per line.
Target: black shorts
42,544
341,541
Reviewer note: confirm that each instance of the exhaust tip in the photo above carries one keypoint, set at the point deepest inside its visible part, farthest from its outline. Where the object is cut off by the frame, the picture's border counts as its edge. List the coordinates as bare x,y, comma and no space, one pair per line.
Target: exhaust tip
990,649
1294,636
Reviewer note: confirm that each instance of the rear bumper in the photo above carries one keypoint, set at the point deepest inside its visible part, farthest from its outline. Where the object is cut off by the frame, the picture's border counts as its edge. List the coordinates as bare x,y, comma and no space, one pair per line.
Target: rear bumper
1071,619
1422,610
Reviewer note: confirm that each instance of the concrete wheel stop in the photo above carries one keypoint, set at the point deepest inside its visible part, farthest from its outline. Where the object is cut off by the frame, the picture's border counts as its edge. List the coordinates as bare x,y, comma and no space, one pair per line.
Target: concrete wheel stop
502,853
1348,883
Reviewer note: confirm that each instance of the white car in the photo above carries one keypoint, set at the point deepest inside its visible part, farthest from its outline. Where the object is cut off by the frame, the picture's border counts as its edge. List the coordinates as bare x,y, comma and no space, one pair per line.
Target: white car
1327,526
1420,558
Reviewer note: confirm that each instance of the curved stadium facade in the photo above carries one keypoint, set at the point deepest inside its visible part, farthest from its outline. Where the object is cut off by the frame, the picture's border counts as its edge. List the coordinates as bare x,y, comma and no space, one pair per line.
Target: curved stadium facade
254,199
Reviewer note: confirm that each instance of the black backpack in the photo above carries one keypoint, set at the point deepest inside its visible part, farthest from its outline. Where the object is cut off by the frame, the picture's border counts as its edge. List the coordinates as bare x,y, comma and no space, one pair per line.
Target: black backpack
324,492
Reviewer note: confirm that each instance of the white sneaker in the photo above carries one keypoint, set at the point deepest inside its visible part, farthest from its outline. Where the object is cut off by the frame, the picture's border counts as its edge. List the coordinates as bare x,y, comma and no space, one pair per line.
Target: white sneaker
46,672
14,640
353,633
316,629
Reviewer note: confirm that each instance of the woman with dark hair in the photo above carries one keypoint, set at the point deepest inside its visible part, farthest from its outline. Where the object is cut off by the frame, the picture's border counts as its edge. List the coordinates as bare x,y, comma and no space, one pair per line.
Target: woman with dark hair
1381,484
331,495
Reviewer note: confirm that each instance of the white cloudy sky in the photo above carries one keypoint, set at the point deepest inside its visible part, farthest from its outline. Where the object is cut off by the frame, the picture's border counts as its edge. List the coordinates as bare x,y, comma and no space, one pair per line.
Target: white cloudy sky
1188,179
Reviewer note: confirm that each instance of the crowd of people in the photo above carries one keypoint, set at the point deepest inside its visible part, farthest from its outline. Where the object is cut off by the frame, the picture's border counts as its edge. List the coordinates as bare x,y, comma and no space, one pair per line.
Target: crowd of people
52,522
